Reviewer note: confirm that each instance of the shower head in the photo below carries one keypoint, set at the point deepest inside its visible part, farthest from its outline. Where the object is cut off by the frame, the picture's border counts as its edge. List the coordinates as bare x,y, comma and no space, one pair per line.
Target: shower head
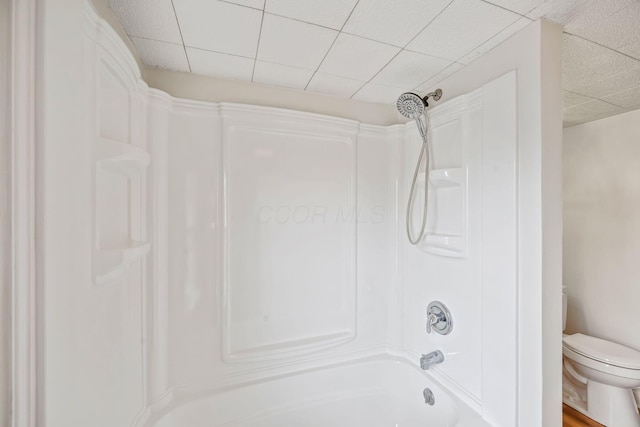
411,105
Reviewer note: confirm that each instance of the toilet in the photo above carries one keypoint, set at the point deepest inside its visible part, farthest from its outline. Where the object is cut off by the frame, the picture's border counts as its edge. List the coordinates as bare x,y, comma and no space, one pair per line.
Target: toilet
599,376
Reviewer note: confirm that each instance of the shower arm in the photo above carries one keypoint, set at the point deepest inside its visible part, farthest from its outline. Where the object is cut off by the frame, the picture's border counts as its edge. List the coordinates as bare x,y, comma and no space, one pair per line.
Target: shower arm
436,95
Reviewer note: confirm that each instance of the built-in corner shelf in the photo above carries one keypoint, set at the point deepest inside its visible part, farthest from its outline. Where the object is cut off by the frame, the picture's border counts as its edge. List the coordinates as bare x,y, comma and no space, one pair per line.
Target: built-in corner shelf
120,158
112,263
119,169
446,233
448,178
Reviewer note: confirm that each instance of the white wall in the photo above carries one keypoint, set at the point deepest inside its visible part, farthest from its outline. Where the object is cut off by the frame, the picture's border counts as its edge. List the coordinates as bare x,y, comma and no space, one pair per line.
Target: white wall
94,116
535,54
204,88
256,218
90,117
602,228
98,350
467,260
5,258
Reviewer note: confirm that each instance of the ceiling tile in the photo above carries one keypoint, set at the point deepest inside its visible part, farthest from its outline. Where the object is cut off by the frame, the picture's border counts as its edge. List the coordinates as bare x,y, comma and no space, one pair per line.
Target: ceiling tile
219,26
372,92
561,12
585,63
519,6
409,69
629,98
602,88
592,110
334,85
151,19
328,13
220,64
570,99
165,55
601,46
463,26
430,84
594,13
632,49
357,58
613,29
281,75
256,4
496,40
393,21
289,42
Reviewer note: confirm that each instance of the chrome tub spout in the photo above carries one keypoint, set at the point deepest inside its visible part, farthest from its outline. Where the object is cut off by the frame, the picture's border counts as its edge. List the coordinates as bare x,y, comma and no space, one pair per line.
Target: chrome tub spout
431,359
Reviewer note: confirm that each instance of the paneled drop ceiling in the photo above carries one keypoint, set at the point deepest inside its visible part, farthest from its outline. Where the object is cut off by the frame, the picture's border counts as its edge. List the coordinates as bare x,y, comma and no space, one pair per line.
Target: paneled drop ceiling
373,50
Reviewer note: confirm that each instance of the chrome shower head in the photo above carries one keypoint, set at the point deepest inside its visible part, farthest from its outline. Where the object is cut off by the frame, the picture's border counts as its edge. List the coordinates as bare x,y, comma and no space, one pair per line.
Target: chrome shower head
411,105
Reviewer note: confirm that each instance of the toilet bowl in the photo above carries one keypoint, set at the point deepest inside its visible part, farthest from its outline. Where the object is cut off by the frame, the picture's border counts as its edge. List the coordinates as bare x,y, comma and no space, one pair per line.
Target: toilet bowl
610,372
598,377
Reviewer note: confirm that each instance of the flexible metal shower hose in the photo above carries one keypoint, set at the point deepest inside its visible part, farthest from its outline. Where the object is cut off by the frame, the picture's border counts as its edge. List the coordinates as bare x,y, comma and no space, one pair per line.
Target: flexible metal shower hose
424,151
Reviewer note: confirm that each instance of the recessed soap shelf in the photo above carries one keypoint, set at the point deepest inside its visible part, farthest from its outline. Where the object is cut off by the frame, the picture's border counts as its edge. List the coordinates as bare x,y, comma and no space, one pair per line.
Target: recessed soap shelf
448,178
128,163
112,263
120,158
447,220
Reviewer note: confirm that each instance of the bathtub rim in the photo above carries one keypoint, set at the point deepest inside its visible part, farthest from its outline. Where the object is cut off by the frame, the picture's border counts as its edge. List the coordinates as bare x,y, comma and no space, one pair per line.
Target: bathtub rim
181,395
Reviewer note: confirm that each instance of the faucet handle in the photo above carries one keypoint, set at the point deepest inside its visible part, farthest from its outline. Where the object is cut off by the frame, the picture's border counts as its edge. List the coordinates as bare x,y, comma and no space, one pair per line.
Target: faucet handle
439,318
433,319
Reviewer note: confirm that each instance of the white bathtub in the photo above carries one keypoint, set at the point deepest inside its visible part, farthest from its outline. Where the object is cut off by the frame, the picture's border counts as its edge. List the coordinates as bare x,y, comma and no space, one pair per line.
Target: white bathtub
379,393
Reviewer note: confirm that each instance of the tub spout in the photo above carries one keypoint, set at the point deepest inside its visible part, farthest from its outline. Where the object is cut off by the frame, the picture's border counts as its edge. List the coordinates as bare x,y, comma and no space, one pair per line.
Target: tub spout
431,359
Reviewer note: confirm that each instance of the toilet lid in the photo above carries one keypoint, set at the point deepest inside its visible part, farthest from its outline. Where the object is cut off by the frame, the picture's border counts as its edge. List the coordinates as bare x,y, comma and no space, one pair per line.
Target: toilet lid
604,351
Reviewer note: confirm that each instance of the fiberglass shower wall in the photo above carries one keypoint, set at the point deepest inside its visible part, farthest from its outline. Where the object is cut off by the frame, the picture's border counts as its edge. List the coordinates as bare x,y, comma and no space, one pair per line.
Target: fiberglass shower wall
137,299
493,252
467,259
280,228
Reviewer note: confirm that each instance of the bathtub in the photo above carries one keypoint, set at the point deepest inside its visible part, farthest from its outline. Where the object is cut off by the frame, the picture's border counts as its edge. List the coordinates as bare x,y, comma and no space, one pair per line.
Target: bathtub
374,393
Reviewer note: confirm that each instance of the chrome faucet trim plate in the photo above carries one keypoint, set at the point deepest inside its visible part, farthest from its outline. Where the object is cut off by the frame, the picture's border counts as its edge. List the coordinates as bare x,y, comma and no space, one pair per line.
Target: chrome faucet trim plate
439,318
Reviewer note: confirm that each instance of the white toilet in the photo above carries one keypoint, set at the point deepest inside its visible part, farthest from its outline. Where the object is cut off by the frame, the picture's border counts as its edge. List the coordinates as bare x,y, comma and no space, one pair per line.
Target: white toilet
607,372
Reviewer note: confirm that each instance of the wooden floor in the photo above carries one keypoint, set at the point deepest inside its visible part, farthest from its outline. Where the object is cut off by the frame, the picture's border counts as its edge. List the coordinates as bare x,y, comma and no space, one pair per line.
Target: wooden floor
573,418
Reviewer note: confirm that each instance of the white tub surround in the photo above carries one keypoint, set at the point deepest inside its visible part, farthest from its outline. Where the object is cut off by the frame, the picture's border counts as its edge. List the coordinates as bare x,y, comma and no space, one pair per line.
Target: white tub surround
281,239
523,258
473,196
5,214
195,245
22,310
